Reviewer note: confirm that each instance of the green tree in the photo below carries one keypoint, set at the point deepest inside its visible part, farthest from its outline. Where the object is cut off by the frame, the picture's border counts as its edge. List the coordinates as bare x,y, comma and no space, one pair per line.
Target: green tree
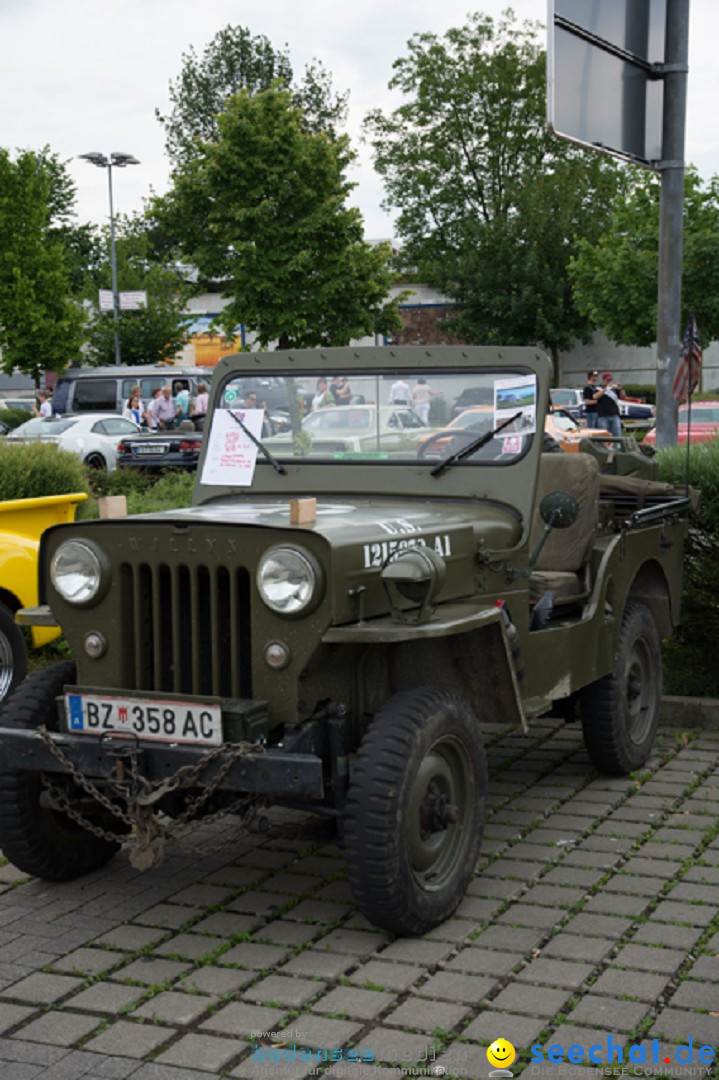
152,333
615,277
41,327
262,210
233,61
490,205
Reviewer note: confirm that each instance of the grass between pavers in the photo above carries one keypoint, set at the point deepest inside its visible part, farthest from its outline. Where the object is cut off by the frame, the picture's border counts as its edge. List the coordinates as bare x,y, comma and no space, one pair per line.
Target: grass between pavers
441,1039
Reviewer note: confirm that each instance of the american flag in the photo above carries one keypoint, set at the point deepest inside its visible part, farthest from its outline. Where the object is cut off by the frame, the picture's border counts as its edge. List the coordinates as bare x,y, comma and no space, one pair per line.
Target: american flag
686,379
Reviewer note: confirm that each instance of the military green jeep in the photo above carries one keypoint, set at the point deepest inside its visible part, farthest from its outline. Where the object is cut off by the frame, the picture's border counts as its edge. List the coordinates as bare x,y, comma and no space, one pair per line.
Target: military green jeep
330,623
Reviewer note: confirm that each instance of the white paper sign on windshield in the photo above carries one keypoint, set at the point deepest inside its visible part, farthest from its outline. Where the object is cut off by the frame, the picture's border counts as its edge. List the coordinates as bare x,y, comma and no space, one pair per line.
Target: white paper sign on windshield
231,454
512,396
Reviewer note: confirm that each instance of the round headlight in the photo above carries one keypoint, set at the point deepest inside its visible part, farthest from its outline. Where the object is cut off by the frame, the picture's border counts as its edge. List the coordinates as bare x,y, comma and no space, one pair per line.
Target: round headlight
76,572
287,580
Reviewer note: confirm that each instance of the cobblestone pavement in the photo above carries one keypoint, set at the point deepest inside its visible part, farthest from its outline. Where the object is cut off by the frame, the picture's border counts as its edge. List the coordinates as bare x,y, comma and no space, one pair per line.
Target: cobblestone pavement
593,917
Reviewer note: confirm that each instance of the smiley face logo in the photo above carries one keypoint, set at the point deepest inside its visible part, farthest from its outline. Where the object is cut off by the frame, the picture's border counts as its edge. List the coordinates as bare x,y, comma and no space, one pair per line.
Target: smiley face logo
501,1053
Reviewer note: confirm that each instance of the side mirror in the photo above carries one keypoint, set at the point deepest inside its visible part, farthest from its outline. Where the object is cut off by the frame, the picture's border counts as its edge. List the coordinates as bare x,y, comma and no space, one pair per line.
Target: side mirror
559,510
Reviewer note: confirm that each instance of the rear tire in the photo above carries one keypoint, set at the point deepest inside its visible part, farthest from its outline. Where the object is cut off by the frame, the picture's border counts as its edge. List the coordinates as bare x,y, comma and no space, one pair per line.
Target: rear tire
38,840
620,712
415,811
13,653
96,461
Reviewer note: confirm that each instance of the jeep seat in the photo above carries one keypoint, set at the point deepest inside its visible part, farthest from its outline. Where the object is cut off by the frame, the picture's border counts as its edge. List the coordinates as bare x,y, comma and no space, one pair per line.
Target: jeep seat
566,551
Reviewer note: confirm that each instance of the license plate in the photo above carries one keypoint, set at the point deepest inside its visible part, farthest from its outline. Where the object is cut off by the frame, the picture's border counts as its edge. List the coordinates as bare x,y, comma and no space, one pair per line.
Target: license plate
156,448
158,720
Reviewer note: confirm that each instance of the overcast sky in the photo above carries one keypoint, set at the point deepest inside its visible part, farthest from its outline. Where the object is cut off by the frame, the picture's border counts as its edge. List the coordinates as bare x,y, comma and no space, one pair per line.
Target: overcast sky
84,75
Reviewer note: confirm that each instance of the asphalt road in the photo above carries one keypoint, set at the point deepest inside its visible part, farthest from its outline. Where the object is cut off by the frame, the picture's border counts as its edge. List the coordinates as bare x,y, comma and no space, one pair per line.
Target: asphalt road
592,925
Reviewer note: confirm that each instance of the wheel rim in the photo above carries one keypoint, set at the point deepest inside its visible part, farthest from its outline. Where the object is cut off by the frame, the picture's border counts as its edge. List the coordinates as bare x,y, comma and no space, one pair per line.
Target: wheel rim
443,791
639,693
7,666
95,461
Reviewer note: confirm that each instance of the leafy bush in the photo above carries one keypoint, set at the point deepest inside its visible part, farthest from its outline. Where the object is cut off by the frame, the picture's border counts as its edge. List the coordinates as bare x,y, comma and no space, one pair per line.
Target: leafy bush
14,417
690,655
173,491
121,481
647,391
30,470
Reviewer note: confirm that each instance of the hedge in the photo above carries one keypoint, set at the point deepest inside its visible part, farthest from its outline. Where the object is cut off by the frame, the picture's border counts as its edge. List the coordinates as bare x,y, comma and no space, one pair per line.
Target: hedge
30,470
690,655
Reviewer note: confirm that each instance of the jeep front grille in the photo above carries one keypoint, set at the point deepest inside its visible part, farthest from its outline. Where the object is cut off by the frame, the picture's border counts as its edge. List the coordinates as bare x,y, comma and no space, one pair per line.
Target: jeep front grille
186,629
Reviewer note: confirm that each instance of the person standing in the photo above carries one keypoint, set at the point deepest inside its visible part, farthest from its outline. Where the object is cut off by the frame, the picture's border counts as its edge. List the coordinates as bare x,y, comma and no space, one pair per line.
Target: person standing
182,403
150,418
607,401
590,406
400,393
45,408
200,410
133,410
165,410
421,397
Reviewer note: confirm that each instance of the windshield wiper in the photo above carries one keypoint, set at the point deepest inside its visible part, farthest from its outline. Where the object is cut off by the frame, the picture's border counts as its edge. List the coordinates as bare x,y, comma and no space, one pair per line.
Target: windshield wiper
472,447
270,457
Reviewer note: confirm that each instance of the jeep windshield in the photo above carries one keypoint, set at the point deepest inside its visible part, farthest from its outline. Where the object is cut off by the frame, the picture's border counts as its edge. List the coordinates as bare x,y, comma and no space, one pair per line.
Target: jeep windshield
374,418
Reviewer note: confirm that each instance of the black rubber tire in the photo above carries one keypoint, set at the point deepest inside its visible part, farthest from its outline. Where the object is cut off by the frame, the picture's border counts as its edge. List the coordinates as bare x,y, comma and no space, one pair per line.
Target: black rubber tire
38,840
404,878
95,460
13,653
620,712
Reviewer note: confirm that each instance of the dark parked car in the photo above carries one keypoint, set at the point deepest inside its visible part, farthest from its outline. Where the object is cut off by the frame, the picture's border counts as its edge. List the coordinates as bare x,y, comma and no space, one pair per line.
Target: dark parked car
470,397
169,450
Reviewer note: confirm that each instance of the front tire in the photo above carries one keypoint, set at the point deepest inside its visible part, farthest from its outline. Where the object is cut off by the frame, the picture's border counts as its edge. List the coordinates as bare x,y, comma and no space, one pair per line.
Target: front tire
13,653
96,460
38,840
620,712
415,811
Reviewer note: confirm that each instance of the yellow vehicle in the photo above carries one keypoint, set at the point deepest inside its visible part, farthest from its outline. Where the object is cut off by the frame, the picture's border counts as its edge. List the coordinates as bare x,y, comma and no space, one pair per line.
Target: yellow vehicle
22,522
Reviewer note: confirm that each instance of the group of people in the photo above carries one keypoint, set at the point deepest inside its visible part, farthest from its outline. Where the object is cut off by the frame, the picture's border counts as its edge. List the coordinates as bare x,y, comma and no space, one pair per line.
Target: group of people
601,403
168,407
336,392
419,397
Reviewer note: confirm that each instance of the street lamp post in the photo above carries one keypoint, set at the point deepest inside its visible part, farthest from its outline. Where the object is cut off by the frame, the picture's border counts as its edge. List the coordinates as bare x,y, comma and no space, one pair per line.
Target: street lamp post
120,161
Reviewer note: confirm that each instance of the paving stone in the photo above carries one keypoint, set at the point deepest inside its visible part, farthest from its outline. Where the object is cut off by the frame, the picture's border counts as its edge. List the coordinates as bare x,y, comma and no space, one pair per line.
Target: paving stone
555,973
402,1047
535,1000
250,1069
130,938
572,875
126,1039
691,914
604,926
427,1015
680,1024
243,1020
488,1025
415,951
202,894
320,964
687,838
607,903
151,971
706,967
237,877
226,924
610,1014
390,976
453,986
522,914
205,1052
514,869
267,859
43,989
283,990
617,982
105,997
173,1007
354,942
58,1028
10,1015
320,1031
164,916
281,932
581,856
188,946
355,1003
475,961
249,954
216,980
575,947
696,995
704,875
646,958
635,885
493,888
510,938
316,911
555,896
250,903
293,884
88,961
676,937
338,892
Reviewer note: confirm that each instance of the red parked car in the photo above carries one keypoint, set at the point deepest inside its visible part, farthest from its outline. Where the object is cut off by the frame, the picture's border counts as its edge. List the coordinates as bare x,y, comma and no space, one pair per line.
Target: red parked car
705,423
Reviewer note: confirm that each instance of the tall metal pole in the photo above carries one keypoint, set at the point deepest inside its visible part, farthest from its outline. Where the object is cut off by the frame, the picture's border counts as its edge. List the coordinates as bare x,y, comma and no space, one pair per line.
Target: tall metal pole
113,268
671,206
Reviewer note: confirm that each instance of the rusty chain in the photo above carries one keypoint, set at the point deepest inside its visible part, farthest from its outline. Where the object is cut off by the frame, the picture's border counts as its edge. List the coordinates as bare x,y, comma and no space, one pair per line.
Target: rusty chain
141,796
